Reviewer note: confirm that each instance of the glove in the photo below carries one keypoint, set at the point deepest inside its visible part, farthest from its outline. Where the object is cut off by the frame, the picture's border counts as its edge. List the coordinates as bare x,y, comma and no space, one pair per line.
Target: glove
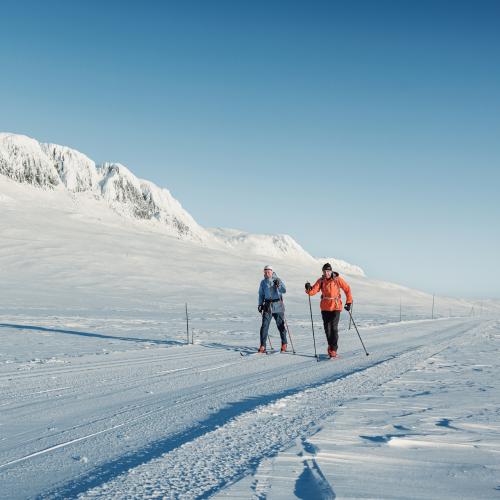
260,308
308,286
347,307
277,282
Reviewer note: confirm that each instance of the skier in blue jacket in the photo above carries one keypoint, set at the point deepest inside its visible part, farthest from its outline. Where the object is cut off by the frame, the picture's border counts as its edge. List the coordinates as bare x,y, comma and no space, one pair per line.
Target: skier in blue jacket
271,306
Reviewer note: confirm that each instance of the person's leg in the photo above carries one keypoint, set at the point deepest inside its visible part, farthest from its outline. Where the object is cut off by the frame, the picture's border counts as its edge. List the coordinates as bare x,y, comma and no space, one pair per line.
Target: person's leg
333,341
327,324
331,325
280,323
264,329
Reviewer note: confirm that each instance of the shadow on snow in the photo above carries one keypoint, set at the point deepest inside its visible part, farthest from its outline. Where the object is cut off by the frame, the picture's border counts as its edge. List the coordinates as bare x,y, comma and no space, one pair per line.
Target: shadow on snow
89,334
110,470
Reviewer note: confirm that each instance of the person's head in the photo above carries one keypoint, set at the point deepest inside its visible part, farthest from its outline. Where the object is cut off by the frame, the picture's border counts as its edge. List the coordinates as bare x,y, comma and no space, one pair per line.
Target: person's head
327,270
268,272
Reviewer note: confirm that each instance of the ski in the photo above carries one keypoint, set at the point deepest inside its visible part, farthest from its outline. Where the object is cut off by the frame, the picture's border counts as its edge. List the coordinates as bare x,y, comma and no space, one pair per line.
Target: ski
245,354
325,357
331,358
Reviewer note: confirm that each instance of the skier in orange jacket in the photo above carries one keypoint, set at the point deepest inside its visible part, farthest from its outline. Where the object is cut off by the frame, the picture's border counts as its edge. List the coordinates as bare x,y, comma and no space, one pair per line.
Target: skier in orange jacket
331,303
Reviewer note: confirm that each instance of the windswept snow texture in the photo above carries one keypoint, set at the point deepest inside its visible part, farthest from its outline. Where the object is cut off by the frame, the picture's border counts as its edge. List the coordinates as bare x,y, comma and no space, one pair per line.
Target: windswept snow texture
103,398
431,432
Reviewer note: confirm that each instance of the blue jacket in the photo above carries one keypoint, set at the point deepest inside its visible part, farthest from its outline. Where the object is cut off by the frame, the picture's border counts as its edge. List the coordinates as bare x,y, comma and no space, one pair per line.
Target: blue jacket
267,291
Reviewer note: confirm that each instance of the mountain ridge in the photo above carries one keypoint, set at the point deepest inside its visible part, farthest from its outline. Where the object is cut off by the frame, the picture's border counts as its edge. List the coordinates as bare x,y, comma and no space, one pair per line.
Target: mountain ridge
51,166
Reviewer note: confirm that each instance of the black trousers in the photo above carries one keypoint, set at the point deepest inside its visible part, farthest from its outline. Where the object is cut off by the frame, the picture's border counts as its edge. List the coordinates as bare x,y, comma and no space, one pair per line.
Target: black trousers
331,324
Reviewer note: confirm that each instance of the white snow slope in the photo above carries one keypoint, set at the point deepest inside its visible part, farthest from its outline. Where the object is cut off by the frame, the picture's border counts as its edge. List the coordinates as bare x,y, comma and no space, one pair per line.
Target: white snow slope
102,398
50,166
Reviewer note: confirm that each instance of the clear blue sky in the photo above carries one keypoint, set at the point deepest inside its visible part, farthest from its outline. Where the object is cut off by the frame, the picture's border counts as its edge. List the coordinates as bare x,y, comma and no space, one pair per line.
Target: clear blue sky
367,130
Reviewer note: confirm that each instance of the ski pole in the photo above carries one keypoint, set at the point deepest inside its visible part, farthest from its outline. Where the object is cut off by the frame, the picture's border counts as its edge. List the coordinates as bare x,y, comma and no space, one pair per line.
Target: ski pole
286,322
358,333
312,325
270,319
350,319
270,309
288,330
269,339
187,324
268,336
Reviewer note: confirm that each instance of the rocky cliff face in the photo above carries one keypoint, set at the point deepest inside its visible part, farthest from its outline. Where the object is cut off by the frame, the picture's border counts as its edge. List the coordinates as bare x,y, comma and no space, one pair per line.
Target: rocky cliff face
144,200
76,171
24,160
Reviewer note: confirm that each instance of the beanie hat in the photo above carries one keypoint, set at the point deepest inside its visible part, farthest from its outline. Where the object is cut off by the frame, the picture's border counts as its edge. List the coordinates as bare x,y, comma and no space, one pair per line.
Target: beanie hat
327,267
268,268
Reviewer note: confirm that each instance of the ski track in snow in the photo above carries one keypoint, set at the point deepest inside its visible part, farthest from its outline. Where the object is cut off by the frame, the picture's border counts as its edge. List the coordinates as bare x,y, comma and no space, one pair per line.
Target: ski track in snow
236,446
410,430
126,417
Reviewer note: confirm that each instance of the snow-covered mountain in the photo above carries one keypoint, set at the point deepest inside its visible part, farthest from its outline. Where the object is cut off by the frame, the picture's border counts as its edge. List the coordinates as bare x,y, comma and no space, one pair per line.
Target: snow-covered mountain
142,199
342,266
50,166
24,160
76,171
268,245
55,167
277,246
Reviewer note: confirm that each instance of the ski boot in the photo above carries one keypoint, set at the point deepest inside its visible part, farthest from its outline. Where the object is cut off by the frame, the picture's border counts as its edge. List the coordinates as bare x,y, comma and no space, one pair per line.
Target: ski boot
332,353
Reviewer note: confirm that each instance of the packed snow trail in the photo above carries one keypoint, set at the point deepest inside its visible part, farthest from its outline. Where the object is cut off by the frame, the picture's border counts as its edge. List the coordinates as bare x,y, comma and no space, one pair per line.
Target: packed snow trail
433,432
98,416
202,466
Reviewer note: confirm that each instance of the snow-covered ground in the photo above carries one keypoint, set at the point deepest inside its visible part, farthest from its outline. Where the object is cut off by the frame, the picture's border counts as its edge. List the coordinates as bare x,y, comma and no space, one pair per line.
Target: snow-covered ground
101,396
431,431
418,418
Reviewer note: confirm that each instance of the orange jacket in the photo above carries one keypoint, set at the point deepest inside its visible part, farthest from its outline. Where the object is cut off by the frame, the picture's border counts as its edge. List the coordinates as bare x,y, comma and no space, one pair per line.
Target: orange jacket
330,292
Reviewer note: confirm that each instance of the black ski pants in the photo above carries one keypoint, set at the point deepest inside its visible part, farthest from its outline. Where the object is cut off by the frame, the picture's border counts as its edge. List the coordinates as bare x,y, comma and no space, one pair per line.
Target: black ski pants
331,324
266,321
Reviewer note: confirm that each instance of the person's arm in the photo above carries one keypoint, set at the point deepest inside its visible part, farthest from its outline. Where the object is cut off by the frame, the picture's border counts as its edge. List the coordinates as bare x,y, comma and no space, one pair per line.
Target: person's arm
347,290
281,286
315,288
261,294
